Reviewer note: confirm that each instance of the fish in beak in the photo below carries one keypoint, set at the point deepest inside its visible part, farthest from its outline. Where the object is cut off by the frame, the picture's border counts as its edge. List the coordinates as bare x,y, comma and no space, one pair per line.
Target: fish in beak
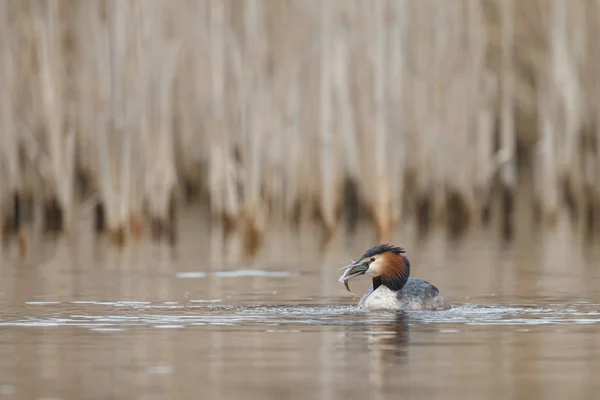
352,270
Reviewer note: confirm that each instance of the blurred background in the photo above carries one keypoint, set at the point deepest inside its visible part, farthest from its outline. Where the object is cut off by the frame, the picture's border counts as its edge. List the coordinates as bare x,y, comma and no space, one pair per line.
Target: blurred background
433,113
240,151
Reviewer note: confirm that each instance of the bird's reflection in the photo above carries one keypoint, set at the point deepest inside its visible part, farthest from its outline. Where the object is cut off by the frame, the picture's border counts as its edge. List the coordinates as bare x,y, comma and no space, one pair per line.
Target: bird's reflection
387,344
390,339
383,333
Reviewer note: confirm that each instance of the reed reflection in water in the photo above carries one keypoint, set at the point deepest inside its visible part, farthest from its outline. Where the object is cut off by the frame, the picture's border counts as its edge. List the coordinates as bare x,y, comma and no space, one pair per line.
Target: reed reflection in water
198,321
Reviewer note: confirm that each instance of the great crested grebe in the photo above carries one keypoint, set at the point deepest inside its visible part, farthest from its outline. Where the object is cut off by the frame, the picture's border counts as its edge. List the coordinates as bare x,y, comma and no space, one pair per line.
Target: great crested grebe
392,287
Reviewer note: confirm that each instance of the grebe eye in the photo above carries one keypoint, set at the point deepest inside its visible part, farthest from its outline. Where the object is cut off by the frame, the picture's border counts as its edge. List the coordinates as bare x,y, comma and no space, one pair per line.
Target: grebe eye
372,259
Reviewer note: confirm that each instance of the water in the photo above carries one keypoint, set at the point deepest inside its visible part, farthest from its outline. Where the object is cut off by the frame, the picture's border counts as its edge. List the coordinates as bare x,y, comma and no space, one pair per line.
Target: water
87,322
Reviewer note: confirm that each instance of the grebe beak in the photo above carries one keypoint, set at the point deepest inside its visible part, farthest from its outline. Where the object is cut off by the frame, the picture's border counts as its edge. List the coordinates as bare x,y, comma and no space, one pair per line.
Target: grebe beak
352,270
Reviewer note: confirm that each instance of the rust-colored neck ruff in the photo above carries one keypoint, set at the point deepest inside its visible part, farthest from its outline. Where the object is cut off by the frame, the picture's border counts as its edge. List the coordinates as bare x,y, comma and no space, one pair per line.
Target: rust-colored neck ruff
395,272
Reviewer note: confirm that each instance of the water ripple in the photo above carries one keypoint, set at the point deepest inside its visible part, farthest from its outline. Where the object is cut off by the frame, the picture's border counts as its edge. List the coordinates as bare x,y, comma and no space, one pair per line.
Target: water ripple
123,315
238,273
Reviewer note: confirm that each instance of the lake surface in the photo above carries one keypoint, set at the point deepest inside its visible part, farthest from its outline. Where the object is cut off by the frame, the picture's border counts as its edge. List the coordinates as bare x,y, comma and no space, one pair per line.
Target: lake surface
87,321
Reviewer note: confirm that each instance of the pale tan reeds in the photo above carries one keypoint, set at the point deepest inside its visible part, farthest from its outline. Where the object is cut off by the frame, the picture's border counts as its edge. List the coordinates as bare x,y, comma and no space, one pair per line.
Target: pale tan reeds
271,107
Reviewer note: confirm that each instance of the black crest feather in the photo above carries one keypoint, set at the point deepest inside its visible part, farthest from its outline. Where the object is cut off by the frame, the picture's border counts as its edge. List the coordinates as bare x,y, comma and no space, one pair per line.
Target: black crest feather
382,248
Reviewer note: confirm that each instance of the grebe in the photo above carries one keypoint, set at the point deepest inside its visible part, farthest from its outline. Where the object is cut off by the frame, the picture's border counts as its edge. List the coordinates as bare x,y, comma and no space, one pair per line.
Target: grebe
392,287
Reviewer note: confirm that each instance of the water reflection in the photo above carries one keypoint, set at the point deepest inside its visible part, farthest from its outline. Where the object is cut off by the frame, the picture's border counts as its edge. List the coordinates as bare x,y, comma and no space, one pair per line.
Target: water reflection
125,350
150,323
390,341
388,348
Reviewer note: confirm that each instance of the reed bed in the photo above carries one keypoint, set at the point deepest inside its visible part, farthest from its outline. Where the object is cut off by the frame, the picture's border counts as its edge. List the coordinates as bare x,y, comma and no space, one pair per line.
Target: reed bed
288,109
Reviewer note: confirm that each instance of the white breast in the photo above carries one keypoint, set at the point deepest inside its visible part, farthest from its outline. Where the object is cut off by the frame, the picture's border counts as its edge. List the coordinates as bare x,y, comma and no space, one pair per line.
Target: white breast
381,299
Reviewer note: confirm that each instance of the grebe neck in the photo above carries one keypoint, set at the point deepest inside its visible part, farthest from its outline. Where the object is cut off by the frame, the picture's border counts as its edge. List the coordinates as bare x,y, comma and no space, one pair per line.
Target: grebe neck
376,282
395,275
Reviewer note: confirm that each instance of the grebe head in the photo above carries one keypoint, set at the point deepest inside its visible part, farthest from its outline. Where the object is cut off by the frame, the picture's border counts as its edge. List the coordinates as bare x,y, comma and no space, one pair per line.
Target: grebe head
385,263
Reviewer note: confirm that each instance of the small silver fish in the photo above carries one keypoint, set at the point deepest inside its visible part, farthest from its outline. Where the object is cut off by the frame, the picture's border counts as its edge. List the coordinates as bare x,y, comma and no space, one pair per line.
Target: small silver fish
346,285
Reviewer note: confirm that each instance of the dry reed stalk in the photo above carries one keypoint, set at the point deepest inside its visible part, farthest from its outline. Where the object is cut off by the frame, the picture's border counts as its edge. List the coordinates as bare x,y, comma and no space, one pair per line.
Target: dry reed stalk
113,178
344,108
587,73
141,116
419,66
560,116
566,59
383,218
397,116
223,171
453,112
508,135
291,132
466,62
484,91
255,96
60,143
439,92
91,117
546,167
507,118
328,161
191,114
478,126
484,127
162,178
546,183
155,138
273,174
9,168
594,163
